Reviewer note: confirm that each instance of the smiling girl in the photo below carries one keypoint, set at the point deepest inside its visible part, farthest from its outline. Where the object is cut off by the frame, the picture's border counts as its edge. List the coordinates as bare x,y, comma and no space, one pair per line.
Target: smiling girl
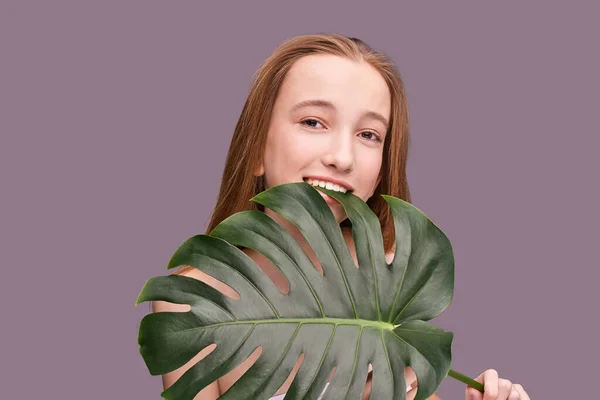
327,110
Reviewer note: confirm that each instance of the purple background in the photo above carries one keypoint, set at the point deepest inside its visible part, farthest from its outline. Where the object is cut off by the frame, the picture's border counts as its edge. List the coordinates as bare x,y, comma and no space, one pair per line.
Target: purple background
116,118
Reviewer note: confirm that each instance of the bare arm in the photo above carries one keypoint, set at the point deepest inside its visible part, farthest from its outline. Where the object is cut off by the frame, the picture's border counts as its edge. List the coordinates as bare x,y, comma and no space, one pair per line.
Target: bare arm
211,392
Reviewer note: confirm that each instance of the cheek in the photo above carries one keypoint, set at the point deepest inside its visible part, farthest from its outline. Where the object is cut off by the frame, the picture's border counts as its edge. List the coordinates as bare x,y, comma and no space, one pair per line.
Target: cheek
296,147
293,148
371,166
286,153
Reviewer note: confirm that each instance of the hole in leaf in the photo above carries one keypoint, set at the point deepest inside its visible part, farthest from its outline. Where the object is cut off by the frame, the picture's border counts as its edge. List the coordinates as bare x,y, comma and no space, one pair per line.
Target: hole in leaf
323,390
285,386
310,253
389,253
410,377
195,273
389,258
276,276
227,380
176,374
332,374
368,382
328,380
295,232
165,306
347,233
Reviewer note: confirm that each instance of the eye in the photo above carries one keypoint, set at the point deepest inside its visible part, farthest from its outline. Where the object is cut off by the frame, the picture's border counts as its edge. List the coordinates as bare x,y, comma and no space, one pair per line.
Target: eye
310,121
374,137
304,121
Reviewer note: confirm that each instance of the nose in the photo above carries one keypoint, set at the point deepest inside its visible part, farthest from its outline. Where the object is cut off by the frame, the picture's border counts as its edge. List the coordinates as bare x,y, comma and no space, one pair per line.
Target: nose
340,153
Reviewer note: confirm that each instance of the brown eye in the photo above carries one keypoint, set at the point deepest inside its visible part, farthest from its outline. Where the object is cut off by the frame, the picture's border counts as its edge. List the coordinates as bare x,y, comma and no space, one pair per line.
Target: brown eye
374,137
311,120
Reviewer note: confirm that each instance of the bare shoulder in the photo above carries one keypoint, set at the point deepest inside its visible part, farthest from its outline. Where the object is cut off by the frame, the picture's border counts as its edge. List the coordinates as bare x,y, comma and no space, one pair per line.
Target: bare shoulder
163,306
195,273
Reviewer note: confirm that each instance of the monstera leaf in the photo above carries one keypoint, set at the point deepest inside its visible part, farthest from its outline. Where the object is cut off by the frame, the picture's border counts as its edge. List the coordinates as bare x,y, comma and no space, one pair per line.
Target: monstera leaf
346,318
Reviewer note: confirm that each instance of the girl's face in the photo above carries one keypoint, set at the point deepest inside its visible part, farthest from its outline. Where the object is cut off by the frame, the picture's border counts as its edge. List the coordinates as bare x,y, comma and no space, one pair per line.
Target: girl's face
329,121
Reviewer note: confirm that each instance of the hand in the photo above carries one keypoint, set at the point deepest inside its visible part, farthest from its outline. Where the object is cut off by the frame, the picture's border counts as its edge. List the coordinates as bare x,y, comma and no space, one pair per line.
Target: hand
496,388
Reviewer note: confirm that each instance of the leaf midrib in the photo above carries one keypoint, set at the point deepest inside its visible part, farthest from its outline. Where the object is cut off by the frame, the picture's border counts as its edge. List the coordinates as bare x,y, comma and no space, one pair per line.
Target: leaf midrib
363,323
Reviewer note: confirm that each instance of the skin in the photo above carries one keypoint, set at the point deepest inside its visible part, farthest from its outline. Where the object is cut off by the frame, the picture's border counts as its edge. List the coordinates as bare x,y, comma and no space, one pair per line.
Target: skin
342,143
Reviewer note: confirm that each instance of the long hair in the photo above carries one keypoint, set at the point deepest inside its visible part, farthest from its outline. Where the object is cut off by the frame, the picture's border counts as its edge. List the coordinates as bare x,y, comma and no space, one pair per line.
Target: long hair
245,153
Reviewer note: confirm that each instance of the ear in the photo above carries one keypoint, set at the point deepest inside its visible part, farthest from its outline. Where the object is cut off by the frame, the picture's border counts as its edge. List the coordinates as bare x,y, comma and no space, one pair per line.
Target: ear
260,170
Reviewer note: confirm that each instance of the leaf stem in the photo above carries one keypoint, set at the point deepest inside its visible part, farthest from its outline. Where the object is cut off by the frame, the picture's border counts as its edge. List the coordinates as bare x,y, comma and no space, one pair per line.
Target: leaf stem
465,379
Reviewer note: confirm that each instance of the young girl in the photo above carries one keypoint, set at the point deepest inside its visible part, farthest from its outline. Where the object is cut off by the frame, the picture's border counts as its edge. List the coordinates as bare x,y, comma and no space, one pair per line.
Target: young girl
327,110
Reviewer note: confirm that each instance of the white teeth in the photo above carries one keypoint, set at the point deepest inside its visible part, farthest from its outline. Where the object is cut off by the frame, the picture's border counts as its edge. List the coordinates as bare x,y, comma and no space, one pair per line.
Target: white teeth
326,185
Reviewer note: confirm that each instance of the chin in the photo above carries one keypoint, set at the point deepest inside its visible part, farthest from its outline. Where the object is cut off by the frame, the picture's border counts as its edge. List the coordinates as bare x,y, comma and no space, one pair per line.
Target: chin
340,216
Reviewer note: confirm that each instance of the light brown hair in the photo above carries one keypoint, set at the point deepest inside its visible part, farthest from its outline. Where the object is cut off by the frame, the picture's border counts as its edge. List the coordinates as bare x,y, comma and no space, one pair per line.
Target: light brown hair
245,153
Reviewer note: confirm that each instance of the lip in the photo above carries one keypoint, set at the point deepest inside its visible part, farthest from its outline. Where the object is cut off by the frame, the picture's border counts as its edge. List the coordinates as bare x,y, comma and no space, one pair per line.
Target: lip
330,200
341,183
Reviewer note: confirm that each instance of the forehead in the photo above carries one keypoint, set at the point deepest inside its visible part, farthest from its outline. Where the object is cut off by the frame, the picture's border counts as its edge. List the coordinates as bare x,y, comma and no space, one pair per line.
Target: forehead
353,86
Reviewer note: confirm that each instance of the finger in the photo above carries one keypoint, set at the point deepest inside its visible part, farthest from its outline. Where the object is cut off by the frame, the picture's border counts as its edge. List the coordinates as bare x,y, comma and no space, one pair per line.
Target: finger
490,384
514,394
484,374
504,388
473,394
524,395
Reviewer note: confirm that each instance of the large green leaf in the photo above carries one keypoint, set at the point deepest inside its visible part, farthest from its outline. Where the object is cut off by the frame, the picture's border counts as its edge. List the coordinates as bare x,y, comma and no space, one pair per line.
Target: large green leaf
346,318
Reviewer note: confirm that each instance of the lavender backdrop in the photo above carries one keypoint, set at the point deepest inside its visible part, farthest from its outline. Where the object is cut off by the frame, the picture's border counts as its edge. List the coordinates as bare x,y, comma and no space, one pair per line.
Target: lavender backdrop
115,118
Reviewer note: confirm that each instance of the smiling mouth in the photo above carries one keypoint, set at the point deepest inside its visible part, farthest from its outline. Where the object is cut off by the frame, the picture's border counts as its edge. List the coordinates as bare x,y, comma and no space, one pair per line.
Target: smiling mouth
328,199
320,185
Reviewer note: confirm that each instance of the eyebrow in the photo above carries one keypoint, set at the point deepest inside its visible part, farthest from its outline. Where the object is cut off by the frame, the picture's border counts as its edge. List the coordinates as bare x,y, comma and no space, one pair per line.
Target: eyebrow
329,105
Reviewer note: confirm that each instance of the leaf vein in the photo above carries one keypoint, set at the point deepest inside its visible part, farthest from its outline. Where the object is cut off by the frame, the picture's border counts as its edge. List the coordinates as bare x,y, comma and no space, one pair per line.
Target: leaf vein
344,278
